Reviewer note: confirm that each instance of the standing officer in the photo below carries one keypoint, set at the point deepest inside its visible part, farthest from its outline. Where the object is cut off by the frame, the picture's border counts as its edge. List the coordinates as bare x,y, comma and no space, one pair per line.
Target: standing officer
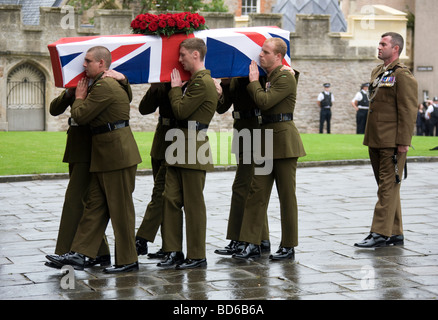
78,155
361,104
388,134
156,97
277,103
245,116
325,102
185,176
105,106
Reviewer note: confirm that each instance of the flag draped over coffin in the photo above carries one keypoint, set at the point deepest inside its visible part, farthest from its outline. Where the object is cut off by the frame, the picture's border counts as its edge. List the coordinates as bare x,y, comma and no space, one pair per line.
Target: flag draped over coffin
150,59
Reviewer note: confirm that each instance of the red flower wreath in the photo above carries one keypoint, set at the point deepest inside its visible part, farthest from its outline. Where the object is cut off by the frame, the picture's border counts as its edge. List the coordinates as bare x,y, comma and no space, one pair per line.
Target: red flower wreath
168,24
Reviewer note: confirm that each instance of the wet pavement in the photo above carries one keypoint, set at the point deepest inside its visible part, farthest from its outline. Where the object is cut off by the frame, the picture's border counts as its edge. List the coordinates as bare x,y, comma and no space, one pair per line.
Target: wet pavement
335,211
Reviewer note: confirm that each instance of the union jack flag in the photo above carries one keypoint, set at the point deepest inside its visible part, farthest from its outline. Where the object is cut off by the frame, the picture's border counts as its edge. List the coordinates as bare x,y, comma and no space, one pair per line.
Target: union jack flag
149,59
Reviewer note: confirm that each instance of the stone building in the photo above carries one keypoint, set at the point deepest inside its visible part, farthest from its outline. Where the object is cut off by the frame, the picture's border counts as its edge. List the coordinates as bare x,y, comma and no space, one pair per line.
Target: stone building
319,54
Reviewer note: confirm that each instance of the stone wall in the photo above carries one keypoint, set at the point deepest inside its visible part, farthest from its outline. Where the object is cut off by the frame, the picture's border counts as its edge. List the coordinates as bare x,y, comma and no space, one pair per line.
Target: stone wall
319,55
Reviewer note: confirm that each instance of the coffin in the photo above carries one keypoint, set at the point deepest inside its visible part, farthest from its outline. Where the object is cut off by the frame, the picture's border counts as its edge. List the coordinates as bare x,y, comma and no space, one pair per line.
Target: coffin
150,59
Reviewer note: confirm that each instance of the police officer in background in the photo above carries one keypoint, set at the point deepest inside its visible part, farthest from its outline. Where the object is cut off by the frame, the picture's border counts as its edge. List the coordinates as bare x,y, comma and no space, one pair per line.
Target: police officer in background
325,102
361,104
388,135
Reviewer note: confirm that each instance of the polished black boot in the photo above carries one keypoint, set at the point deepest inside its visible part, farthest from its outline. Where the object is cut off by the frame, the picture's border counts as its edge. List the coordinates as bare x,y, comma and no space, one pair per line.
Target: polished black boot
103,261
396,240
251,251
283,253
265,246
374,240
191,264
141,245
233,247
74,259
160,254
172,259
122,268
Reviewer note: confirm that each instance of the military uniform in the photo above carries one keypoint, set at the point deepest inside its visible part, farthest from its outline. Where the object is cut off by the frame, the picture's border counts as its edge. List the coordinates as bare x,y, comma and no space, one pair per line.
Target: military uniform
157,97
78,155
277,104
245,114
185,178
114,160
391,122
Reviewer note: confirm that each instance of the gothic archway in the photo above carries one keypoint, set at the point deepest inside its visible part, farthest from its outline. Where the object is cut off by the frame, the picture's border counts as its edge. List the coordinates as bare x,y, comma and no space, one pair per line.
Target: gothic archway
26,99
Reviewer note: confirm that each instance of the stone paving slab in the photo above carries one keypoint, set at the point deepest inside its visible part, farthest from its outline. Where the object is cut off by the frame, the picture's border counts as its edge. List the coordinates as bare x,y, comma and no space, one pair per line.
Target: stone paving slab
335,210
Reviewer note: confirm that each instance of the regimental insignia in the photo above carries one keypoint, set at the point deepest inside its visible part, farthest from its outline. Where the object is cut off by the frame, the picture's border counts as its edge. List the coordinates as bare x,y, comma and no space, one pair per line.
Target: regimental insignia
387,82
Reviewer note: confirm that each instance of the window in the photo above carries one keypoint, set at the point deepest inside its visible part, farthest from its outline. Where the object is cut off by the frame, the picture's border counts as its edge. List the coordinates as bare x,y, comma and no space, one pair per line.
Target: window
249,6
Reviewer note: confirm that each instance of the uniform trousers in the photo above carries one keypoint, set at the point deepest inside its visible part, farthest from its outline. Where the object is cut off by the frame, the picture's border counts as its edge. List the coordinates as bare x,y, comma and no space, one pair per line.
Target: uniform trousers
240,188
387,219
153,216
184,188
110,197
284,175
73,208
325,116
361,120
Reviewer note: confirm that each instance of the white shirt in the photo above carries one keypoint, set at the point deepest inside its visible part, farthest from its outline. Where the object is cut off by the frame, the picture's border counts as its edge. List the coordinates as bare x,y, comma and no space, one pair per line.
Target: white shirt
321,96
359,96
429,111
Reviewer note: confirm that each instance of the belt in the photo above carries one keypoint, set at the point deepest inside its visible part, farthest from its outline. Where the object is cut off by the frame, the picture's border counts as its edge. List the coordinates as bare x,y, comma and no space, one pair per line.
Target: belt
167,121
191,124
363,108
110,127
241,115
72,122
272,118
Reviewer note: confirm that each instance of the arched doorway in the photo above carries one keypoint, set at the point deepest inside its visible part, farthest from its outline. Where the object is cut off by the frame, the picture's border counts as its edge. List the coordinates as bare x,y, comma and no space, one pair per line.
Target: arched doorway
25,99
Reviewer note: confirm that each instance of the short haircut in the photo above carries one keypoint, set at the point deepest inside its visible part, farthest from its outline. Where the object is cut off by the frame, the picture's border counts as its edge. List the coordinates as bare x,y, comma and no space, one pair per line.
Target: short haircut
279,46
192,44
101,53
396,40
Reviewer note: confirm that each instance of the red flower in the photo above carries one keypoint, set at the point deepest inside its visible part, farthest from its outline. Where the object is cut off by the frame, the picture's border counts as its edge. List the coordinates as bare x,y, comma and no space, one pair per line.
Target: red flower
171,22
143,25
180,24
153,26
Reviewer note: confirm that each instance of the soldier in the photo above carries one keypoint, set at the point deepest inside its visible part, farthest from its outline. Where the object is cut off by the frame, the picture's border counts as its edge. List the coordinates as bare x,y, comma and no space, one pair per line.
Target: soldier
105,106
185,176
277,103
156,97
388,134
245,116
361,104
325,102
78,155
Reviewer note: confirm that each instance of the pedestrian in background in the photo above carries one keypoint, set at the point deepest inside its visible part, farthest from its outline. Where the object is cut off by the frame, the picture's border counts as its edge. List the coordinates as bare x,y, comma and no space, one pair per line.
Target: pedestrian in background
361,104
325,103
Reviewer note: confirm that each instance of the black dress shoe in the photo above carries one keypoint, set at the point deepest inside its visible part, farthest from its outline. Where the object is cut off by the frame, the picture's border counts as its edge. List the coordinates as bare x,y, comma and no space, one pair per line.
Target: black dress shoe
374,240
160,254
265,246
141,245
233,247
123,268
103,261
52,265
191,264
251,251
74,259
172,259
283,254
396,240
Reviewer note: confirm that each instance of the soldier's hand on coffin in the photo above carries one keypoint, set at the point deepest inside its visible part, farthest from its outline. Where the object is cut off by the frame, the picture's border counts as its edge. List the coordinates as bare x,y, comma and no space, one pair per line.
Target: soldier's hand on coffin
175,79
218,87
81,89
114,74
253,71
